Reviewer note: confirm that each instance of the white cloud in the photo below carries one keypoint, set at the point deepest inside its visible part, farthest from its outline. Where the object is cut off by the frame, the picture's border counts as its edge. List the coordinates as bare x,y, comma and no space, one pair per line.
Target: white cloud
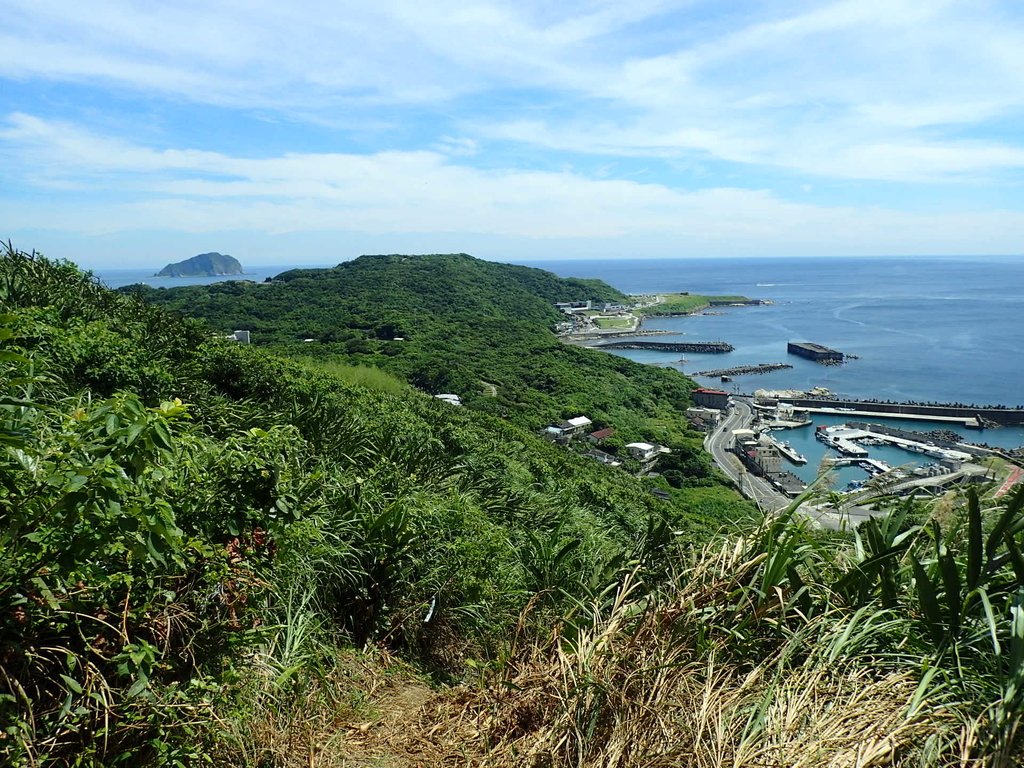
800,91
386,193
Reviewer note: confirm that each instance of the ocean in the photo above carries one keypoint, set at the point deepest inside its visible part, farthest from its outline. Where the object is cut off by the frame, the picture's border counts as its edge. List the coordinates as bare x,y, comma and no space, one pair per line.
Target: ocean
928,330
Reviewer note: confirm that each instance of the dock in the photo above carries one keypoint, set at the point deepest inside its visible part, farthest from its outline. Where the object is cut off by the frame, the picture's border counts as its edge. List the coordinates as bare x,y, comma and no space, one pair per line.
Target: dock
842,440
963,414
790,453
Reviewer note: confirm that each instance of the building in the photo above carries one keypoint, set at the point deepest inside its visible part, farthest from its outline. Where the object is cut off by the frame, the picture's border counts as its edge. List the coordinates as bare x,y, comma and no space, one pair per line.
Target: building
711,398
815,352
604,458
566,430
242,337
743,440
572,307
601,435
645,452
452,399
708,415
576,425
767,457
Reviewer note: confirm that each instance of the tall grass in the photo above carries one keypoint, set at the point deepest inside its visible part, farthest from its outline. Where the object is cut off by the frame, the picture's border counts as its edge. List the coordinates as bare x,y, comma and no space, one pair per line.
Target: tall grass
365,376
785,647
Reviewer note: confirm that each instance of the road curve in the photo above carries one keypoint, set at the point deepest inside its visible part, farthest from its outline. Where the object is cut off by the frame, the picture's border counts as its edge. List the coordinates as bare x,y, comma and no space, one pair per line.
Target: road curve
717,442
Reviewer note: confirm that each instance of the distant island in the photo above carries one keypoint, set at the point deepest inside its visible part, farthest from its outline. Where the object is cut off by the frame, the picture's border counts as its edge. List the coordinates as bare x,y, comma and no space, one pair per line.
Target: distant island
204,265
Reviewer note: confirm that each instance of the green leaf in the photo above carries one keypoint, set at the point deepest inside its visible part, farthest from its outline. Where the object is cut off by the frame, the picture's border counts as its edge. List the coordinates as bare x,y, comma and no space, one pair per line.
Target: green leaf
928,601
951,583
140,685
71,683
990,618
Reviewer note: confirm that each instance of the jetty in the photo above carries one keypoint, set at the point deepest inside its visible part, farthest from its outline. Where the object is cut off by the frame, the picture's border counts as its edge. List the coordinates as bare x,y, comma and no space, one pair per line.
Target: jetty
742,370
842,439
704,347
969,415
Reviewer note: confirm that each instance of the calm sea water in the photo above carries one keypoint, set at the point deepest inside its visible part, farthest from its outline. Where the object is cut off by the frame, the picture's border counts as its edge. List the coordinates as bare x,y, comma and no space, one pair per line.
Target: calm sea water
931,330
927,330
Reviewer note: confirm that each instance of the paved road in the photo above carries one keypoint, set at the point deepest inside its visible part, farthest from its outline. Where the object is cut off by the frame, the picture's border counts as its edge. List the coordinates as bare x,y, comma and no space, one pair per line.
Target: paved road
740,415
767,498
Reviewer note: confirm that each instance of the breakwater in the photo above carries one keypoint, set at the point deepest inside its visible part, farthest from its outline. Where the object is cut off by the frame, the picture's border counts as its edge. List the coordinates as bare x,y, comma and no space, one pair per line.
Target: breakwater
1004,416
741,370
705,347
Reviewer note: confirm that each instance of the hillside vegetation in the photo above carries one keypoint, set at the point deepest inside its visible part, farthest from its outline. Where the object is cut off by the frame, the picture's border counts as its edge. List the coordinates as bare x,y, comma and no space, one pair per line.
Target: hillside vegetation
186,520
463,324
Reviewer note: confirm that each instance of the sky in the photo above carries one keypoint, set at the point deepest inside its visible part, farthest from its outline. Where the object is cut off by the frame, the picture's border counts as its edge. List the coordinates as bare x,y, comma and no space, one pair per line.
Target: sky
136,133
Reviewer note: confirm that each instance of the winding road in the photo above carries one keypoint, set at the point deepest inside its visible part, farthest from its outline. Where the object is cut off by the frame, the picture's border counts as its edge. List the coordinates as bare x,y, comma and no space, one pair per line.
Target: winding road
740,415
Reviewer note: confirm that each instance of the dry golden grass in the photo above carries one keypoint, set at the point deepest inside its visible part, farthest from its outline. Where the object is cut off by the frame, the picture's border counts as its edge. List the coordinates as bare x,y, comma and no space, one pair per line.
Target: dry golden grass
654,682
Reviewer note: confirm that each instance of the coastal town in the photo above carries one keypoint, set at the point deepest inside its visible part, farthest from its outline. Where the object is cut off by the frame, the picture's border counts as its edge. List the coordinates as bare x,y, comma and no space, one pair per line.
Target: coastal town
741,431
740,436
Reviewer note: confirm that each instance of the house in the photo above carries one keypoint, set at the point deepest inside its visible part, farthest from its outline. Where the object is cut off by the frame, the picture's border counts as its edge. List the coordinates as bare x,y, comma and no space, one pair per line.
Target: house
579,422
645,452
604,458
768,458
242,337
452,399
742,438
564,431
703,419
711,398
601,435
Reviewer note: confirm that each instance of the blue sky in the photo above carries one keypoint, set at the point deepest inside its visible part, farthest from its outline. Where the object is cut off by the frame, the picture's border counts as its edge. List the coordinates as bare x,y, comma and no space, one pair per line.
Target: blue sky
132,134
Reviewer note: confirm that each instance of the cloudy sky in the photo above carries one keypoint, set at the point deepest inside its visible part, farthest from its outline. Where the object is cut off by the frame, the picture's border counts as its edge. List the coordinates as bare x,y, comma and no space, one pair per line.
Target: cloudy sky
136,133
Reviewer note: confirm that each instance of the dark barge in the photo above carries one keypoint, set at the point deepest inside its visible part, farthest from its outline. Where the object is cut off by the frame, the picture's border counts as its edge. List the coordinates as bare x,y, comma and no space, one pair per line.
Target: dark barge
815,352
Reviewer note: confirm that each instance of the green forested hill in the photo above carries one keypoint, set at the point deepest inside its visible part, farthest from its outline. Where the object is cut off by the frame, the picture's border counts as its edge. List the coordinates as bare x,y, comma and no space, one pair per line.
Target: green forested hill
474,328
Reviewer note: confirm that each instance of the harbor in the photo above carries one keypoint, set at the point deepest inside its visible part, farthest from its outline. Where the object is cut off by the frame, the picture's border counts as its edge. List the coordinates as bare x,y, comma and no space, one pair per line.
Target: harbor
852,451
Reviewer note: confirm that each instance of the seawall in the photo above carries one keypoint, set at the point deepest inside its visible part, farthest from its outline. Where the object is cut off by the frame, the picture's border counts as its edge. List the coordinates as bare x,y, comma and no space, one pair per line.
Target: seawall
1005,416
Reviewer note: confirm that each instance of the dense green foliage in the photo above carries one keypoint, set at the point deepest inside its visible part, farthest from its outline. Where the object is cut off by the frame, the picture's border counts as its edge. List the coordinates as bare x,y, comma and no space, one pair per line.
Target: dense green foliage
174,506
474,328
